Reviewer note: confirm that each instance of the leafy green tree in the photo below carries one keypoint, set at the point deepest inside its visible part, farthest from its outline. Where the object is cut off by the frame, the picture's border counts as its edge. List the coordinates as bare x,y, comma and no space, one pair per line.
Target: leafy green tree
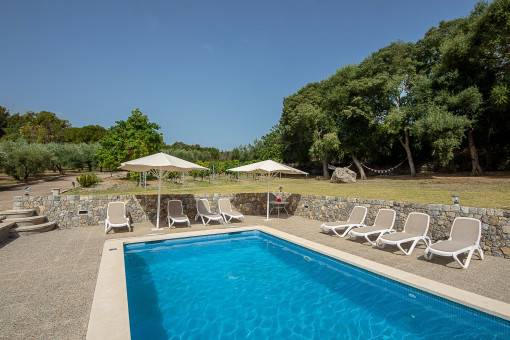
61,155
272,145
444,130
44,127
23,160
394,68
134,138
14,123
299,121
325,148
4,115
87,153
348,99
87,134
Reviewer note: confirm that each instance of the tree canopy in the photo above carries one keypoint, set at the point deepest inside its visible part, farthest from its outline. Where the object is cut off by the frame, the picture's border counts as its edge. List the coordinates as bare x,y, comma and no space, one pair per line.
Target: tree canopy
134,138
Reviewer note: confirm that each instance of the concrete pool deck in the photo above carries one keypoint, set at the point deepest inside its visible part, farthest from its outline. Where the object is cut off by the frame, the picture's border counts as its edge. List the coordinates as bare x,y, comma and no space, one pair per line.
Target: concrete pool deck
48,280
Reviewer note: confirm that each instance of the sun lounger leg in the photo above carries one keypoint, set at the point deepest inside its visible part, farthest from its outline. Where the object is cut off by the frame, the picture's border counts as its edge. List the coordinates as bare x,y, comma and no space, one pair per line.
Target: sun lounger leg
347,229
468,259
480,252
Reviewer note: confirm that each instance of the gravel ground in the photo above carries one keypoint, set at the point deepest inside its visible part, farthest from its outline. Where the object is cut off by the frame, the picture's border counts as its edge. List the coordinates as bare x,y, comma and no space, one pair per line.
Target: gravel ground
47,280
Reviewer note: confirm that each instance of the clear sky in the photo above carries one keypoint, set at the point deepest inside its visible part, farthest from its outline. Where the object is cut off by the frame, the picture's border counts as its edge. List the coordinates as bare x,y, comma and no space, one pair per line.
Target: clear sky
212,73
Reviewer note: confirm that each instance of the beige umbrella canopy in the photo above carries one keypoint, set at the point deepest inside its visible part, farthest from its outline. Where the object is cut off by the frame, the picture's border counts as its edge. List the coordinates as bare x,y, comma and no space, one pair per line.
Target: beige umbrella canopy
268,167
160,164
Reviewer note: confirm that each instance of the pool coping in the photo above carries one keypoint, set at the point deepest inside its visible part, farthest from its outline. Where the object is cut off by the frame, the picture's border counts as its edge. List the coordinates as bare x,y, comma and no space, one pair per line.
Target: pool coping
109,316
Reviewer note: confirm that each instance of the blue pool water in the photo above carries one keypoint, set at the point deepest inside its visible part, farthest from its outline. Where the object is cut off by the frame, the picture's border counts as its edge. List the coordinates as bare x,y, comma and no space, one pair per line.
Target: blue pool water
251,285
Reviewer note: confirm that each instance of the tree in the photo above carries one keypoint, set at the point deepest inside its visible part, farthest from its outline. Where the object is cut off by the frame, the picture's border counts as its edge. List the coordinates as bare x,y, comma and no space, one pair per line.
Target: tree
298,122
14,123
459,79
347,101
87,134
4,115
87,154
43,127
325,148
61,156
134,138
23,160
395,70
444,130
272,145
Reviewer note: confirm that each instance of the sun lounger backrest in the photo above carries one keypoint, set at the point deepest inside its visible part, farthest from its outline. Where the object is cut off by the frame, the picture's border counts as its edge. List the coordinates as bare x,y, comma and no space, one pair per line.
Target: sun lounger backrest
203,206
385,219
417,224
174,207
357,215
467,230
116,212
224,205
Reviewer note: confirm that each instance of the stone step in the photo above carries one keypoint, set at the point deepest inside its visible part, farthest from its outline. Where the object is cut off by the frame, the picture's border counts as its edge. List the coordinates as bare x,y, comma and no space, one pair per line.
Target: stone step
27,221
32,229
2,218
5,229
17,213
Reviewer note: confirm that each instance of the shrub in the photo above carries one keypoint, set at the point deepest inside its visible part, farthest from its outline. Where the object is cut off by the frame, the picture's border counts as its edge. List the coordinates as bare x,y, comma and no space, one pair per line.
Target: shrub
86,180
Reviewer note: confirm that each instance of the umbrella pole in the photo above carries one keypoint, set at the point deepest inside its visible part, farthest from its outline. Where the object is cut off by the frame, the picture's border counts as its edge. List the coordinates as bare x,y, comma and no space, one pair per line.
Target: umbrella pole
268,180
159,201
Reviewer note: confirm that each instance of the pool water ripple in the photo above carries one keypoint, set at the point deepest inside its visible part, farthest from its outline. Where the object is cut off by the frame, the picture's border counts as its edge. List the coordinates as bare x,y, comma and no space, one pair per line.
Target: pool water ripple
253,286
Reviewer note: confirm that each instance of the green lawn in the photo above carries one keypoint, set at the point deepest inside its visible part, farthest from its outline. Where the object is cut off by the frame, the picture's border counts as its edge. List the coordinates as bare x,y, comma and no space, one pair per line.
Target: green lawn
491,191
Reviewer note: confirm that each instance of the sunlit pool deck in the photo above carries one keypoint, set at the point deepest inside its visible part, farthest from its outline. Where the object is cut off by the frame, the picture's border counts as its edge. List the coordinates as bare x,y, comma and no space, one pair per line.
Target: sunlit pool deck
48,280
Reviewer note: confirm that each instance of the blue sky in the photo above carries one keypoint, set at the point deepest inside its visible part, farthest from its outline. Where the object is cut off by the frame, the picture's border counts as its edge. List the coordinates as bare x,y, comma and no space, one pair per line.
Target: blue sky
212,73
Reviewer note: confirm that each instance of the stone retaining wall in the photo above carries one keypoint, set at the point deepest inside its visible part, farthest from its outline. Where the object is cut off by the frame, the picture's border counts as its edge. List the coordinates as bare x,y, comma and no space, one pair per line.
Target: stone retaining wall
73,211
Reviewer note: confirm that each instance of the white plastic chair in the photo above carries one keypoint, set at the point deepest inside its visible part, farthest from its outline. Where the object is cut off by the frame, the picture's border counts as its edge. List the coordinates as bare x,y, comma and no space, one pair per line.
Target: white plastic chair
175,213
226,211
415,230
384,222
204,212
464,237
116,216
356,219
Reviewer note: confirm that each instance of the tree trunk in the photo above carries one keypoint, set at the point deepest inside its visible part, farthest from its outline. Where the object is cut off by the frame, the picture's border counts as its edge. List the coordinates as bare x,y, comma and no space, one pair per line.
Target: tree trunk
358,164
407,147
325,171
476,169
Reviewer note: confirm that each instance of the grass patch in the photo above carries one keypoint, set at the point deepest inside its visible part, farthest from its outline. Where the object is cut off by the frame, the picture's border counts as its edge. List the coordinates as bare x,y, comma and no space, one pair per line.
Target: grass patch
490,191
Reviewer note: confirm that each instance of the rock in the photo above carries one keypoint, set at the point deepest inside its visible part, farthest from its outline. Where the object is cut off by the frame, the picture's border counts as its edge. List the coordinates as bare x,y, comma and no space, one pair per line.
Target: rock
343,175
505,250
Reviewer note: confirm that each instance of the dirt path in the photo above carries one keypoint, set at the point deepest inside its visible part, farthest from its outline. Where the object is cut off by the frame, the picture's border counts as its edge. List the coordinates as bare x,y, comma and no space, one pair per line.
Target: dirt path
42,187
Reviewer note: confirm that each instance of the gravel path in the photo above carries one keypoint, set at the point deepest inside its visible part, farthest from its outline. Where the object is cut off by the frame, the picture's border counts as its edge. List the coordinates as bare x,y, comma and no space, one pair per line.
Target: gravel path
47,280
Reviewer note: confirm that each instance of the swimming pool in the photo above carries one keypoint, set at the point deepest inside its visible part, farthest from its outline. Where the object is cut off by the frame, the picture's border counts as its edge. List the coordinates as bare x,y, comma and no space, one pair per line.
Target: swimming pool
252,285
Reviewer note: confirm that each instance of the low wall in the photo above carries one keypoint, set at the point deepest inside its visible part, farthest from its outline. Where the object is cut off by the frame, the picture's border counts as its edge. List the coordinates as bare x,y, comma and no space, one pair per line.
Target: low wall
72,211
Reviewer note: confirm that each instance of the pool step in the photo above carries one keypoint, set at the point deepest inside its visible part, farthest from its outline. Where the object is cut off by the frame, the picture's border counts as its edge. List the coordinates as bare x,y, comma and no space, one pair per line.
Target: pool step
17,213
32,229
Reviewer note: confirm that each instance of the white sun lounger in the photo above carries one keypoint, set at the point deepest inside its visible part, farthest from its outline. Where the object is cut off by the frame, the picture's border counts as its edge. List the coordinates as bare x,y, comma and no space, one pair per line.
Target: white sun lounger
464,237
415,230
355,220
204,212
226,211
384,222
175,213
116,216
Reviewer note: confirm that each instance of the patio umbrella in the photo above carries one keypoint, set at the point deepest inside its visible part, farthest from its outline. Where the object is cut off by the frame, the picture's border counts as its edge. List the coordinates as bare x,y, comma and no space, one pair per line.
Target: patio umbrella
160,164
268,167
